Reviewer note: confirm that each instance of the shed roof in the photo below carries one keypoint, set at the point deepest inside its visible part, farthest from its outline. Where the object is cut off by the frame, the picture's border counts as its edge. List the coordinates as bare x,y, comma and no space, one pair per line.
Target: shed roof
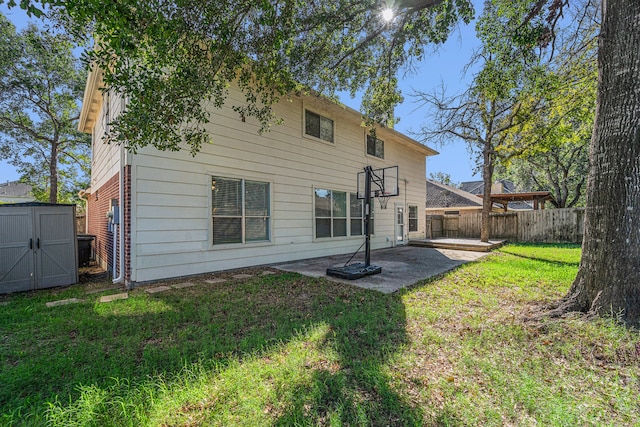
8,205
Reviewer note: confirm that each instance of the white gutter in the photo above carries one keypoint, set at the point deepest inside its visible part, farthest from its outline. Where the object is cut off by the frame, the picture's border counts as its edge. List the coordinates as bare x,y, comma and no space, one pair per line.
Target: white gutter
82,194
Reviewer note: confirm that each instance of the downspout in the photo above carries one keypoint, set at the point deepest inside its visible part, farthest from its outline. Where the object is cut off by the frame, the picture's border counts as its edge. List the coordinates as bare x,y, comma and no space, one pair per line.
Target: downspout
406,211
120,277
82,194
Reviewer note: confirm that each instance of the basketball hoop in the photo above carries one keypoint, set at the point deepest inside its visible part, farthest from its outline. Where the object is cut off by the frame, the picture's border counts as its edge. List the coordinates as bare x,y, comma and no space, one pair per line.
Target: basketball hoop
383,200
381,184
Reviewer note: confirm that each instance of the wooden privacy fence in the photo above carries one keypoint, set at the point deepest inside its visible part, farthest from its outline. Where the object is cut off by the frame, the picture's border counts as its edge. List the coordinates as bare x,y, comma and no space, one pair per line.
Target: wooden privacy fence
544,225
81,223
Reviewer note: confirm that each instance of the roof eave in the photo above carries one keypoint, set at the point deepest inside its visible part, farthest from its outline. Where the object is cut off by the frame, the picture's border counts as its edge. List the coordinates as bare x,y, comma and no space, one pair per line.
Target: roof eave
88,114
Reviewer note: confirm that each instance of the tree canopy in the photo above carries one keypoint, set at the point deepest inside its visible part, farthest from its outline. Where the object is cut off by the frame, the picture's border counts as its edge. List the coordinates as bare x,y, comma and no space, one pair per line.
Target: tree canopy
176,62
534,90
549,152
41,85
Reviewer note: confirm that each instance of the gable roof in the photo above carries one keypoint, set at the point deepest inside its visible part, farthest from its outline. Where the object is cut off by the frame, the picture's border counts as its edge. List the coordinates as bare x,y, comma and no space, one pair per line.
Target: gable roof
444,196
14,192
473,187
15,188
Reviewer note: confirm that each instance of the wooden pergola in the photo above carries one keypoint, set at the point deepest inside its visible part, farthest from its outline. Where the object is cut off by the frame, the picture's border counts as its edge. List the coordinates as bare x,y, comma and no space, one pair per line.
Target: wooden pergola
539,198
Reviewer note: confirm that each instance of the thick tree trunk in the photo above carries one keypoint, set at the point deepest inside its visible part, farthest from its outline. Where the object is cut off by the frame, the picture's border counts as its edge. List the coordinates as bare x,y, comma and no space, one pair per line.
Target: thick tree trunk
608,281
487,178
53,173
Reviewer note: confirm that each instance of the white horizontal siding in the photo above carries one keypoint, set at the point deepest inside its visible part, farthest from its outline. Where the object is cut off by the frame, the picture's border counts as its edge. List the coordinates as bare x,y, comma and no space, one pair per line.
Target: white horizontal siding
105,158
171,205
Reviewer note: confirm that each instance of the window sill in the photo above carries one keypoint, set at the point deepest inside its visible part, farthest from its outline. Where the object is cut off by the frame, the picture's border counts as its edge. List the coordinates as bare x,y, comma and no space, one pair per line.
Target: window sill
316,139
236,246
371,156
333,239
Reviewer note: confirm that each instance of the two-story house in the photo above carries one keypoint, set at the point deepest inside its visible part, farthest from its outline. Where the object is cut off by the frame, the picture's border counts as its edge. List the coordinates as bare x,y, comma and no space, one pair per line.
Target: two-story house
248,198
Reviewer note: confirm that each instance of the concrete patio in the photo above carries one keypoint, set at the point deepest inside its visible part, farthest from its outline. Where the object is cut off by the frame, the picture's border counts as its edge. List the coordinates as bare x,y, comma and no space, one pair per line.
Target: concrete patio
401,266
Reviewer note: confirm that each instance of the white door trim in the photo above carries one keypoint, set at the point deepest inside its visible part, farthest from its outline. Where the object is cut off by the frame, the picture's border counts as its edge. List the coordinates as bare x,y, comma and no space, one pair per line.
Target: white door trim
399,225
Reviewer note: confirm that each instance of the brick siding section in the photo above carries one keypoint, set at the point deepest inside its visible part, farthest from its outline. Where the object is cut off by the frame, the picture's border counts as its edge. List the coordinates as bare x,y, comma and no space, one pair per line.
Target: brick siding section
127,224
98,204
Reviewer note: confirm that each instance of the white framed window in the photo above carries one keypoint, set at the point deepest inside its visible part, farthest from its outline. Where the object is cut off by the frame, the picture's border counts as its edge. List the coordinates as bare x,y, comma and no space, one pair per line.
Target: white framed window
330,213
357,215
241,211
413,218
333,217
375,147
318,126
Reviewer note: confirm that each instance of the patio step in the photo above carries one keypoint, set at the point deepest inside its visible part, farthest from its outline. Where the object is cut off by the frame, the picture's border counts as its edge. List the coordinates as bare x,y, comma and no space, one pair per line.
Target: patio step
458,244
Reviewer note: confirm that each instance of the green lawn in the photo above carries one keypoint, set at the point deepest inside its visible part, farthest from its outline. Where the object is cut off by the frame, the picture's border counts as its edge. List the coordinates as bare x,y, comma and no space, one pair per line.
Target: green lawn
288,350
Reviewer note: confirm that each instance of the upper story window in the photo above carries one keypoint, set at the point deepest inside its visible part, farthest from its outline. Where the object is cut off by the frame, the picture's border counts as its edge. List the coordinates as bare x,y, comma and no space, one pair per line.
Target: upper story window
375,147
318,126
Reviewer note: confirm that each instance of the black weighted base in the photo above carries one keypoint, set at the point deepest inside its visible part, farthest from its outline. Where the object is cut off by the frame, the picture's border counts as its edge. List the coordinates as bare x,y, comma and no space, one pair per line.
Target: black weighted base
354,271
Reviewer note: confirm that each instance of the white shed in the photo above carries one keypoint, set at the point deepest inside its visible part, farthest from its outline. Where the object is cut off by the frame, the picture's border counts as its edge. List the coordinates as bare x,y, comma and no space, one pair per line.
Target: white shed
38,246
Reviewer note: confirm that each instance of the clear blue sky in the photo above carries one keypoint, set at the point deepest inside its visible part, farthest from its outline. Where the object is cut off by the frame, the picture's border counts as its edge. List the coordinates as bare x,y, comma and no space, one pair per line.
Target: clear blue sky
443,67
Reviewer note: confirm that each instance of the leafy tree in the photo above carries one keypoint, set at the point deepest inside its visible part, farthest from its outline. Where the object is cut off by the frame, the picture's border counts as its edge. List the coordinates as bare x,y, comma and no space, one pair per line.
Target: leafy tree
41,86
560,169
608,280
533,92
170,59
505,94
550,151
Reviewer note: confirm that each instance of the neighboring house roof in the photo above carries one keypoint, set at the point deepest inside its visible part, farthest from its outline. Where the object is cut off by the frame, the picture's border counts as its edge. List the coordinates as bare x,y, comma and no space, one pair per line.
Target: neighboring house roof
444,196
501,186
473,187
477,187
15,192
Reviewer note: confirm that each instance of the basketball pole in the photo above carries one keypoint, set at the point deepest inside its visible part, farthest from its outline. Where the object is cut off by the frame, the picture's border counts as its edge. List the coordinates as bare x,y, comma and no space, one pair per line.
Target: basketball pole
358,270
367,214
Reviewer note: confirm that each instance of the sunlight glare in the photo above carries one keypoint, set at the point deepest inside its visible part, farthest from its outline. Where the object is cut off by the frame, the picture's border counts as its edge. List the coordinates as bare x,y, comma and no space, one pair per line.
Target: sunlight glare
387,14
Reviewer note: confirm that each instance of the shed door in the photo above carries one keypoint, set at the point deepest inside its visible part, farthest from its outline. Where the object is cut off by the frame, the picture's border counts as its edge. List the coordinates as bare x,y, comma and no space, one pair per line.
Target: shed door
56,260
16,256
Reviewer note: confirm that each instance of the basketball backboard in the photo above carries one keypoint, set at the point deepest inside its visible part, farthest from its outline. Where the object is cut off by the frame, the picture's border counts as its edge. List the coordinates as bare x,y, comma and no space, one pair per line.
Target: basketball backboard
384,182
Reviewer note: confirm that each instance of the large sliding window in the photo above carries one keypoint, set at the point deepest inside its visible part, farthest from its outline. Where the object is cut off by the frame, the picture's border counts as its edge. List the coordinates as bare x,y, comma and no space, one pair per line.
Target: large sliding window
240,210
357,215
333,215
330,213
